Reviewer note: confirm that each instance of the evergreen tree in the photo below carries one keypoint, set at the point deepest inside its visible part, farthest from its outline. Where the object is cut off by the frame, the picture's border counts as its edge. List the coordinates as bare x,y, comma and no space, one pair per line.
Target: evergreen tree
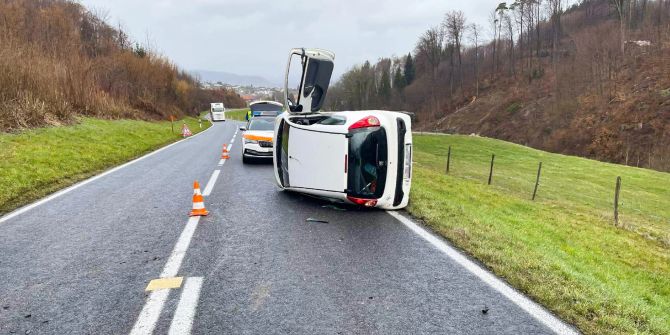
398,80
385,86
410,71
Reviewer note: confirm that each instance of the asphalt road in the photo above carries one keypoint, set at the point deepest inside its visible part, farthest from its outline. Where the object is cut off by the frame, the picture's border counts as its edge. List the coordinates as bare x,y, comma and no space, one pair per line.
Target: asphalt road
79,263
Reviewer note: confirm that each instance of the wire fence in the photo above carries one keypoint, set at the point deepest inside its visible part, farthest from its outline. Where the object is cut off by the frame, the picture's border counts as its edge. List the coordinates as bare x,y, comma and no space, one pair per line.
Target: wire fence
627,197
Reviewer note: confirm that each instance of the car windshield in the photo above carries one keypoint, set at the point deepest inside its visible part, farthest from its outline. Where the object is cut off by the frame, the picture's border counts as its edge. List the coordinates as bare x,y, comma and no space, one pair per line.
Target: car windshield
262,124
367,163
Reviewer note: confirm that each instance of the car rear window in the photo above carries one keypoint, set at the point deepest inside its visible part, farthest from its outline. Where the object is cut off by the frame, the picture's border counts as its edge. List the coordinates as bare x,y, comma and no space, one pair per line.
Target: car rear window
367,163
333,121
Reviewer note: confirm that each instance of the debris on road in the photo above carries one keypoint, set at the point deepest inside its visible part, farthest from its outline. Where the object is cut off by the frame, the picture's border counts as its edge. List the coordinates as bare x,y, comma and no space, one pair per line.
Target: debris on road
334,207
316,220
485,310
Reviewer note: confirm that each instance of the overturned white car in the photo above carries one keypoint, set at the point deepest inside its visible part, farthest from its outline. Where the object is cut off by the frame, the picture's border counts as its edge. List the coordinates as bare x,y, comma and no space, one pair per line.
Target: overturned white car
360,157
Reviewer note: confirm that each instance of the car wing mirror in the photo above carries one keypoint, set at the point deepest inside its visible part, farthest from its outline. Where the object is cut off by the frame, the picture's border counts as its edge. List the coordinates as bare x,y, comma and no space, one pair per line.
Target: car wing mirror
243,128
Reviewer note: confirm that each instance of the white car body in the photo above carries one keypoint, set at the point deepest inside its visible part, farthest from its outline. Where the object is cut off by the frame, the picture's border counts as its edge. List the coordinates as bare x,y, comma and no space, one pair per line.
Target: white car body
257,143
359,157
217,111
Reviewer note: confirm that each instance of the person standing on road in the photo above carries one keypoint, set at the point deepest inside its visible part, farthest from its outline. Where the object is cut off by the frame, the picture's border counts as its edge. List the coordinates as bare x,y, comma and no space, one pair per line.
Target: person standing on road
248,115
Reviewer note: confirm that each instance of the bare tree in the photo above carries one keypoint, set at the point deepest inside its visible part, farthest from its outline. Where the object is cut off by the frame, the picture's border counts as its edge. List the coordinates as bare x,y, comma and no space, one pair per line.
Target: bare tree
430,48
475,32
620,6
454,25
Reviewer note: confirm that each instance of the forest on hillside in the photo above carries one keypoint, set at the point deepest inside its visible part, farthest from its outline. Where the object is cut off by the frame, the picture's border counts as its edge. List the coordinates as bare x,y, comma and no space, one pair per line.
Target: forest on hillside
59,60
589,79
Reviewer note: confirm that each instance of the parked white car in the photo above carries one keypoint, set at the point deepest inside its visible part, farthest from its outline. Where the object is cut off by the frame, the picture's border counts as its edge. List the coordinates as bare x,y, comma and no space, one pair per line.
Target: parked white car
359,157
257,138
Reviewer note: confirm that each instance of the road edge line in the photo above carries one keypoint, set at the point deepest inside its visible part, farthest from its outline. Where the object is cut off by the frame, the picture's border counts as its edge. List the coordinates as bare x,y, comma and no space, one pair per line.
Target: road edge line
70,188
534,309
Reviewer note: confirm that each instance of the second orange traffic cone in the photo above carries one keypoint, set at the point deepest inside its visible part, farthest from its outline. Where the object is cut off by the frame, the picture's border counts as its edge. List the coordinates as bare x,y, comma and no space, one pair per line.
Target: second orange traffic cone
198,202
224,154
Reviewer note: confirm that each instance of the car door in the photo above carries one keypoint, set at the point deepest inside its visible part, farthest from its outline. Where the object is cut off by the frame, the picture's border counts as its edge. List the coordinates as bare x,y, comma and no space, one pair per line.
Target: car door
317,160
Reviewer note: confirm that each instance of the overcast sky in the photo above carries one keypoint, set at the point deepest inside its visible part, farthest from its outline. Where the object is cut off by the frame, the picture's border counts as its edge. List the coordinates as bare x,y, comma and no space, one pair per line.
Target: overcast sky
253,37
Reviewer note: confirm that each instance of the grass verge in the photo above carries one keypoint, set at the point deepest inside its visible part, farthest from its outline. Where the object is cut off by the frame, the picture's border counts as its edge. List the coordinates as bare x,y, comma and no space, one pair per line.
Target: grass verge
562,249
237,114
37,162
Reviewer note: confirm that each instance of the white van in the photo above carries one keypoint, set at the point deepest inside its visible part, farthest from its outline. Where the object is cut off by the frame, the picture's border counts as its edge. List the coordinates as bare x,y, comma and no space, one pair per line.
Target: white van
359,157
217,111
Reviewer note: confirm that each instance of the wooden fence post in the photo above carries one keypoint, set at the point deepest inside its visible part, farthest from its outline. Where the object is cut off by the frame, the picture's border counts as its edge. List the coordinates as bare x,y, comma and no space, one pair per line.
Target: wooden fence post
616,201
448,159
493,157
537,180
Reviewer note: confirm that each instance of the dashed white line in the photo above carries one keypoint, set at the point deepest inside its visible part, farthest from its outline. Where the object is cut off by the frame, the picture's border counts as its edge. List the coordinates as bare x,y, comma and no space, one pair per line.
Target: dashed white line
182,322
211,182
535,310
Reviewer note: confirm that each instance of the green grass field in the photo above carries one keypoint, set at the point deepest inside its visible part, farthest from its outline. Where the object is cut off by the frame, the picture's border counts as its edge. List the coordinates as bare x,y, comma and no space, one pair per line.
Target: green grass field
236,114
40,161
562,249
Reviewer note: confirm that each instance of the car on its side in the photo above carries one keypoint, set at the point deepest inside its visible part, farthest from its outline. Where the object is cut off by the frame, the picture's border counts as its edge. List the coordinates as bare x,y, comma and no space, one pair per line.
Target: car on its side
257,142
358,157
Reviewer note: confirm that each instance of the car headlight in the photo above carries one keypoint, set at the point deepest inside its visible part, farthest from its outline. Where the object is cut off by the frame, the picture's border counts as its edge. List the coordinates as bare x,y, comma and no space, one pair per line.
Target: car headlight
248,141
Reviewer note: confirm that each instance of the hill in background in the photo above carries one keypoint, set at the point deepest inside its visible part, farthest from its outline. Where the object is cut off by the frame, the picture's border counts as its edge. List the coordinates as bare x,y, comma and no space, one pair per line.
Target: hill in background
592,79
58,61
232,78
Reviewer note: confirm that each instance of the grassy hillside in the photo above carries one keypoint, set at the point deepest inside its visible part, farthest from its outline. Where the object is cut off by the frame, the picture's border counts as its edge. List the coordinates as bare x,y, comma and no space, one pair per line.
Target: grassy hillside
562,249
59,61
40,161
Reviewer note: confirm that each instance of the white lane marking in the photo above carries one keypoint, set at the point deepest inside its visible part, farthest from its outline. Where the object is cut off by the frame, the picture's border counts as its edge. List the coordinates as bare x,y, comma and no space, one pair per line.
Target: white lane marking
146,322
535,310
221,162
177,256
150,313
211,182
188,303
82,183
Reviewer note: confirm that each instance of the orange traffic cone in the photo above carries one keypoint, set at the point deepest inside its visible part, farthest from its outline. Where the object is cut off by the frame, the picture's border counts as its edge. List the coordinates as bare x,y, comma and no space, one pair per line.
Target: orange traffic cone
198,202
224,154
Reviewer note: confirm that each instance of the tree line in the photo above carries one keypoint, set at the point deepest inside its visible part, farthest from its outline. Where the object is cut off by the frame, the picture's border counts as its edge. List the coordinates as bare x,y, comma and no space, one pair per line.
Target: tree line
572,56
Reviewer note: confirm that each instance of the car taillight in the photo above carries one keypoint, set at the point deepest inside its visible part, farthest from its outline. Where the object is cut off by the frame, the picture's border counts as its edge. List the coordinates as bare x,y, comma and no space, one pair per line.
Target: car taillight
363,202
368,121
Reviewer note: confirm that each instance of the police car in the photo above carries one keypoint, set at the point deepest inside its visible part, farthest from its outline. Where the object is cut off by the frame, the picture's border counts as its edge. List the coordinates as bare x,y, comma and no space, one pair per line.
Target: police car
257,140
